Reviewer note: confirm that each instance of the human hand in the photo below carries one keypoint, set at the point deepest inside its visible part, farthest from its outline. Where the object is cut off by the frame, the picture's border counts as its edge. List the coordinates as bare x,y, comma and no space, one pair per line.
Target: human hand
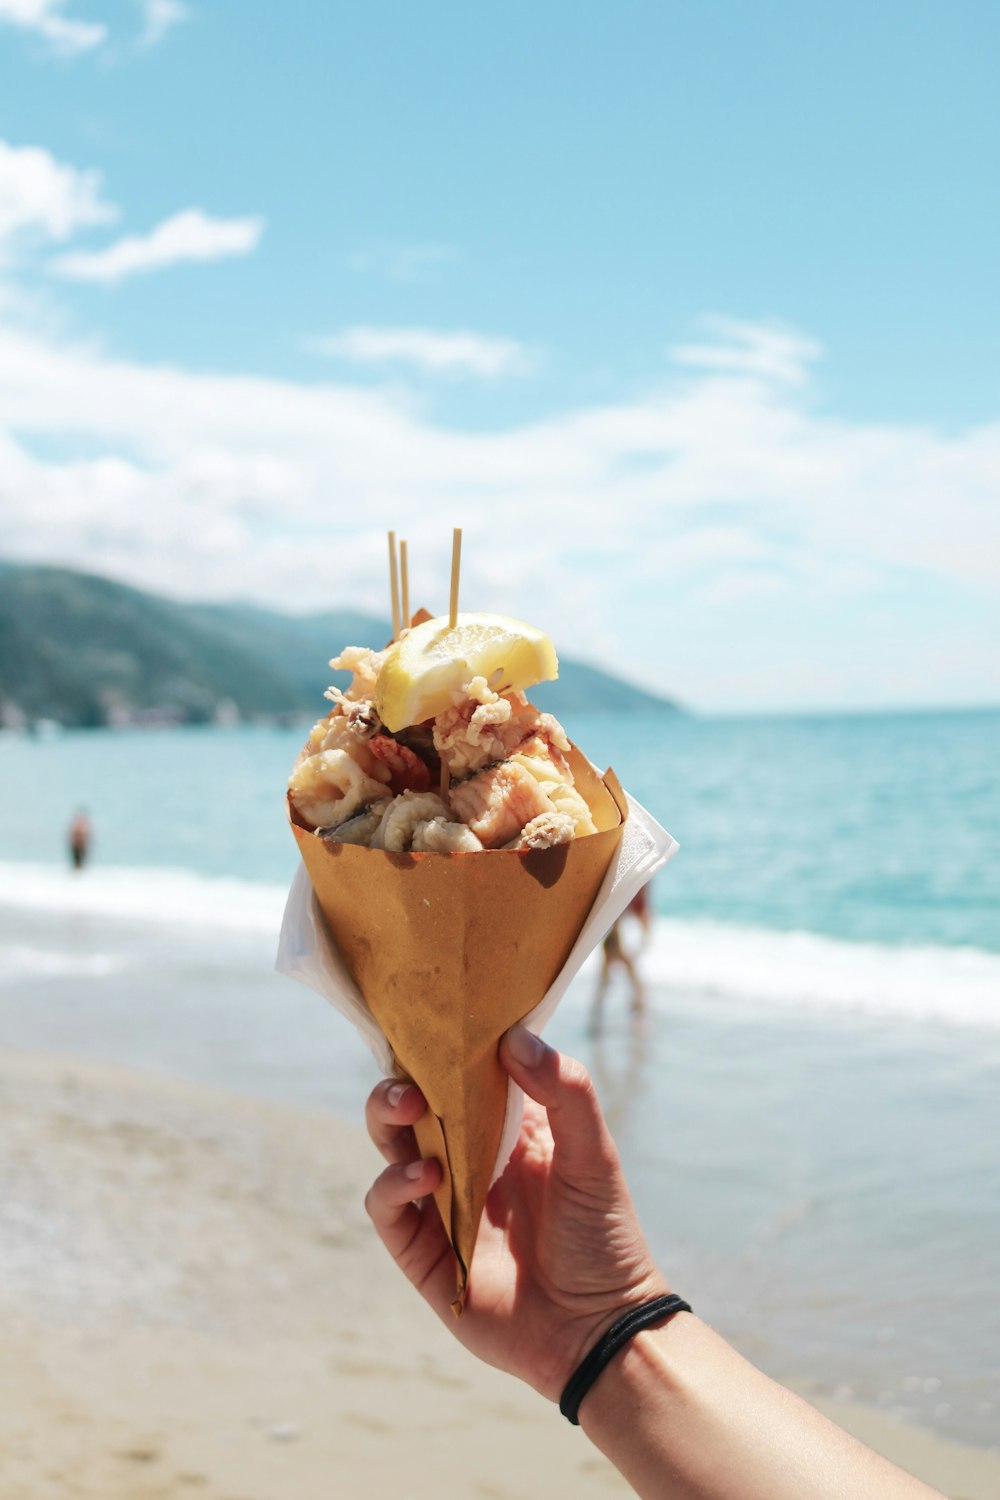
559,1255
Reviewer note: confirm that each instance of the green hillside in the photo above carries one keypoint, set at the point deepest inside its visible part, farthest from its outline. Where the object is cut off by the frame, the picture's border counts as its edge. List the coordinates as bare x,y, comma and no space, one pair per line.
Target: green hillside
87,651
295,647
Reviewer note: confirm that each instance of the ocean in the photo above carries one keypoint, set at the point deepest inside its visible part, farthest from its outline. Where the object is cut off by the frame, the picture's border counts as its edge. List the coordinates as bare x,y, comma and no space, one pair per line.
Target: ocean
810,1117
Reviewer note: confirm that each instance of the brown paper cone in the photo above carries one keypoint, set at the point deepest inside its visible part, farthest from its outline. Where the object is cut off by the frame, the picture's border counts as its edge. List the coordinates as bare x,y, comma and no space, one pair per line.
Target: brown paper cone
449,950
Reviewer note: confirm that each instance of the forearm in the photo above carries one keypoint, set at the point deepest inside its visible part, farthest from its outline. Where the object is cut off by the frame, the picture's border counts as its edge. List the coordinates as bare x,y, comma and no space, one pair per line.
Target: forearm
684,1417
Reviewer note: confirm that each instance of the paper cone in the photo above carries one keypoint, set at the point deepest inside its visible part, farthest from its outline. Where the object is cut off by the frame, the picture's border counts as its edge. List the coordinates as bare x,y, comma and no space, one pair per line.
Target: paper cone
449,950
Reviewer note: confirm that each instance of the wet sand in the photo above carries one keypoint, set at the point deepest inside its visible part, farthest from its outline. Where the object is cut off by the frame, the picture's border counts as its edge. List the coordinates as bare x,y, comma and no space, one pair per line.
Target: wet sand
194,1304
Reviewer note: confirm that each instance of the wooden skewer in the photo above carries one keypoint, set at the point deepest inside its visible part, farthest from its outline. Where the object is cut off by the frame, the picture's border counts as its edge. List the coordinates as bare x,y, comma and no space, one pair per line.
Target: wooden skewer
394,585
456,558
456,561
404,584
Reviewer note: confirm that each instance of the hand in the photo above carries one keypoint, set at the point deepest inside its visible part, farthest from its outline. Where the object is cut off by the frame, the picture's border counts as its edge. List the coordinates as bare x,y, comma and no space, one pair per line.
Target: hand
559,1255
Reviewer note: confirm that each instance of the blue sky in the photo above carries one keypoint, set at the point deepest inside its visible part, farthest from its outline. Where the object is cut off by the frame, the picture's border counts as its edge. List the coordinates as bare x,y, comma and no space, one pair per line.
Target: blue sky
687,313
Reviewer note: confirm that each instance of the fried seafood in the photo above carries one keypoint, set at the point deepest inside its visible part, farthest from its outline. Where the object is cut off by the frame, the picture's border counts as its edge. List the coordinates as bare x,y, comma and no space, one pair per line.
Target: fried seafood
498,802
364,665
402,818
356,720
357,830
487,727
327,788
545,831
342,732
507,780
441,837
543,759
468,737
567,800
407,772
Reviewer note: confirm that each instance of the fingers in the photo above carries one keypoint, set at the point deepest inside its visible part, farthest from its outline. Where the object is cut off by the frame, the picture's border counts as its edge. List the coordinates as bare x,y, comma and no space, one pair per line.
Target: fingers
412,1233
392,1109
563,1086
410,1230
390,1202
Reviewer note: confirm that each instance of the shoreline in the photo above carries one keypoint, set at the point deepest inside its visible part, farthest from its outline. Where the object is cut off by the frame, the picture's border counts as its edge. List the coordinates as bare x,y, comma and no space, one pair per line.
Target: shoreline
195,1304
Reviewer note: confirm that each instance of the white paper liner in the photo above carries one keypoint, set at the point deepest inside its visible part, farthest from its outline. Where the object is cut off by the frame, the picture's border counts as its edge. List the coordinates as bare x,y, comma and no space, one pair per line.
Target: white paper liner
308,953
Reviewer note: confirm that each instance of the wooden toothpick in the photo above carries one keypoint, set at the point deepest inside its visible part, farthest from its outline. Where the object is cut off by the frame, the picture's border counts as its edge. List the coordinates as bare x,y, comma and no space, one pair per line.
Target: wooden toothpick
456,558
394,585
404,584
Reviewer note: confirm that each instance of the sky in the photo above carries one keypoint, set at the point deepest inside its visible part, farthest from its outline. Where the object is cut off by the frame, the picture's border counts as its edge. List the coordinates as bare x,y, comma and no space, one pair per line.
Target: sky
687,314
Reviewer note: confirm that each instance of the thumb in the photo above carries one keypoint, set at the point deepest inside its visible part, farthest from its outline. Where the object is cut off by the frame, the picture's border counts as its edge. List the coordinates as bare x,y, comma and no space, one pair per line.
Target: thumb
583,1145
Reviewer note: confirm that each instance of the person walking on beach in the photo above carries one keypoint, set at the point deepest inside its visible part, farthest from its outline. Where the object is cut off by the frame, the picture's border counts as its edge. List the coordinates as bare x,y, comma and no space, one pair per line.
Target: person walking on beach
614,954
566,1296
79,838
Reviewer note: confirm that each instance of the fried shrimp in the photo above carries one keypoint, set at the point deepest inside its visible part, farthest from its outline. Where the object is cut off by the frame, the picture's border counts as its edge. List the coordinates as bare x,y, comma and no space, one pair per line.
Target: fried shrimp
328,788
403,817
406,770
497,802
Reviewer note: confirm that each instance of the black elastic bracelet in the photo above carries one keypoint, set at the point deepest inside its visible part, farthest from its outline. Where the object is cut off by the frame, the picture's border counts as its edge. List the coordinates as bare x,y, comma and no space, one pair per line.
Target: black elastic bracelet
605,1349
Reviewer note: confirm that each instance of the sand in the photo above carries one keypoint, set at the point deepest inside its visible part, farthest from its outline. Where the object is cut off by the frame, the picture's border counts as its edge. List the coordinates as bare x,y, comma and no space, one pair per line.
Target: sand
194,1304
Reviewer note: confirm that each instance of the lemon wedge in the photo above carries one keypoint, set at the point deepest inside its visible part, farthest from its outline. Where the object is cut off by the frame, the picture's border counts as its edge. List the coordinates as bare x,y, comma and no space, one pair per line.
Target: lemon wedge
425,671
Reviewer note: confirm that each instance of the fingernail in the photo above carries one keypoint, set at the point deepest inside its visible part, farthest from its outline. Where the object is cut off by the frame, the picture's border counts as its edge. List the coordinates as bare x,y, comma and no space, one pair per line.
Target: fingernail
395,1093
525,1047
414,1170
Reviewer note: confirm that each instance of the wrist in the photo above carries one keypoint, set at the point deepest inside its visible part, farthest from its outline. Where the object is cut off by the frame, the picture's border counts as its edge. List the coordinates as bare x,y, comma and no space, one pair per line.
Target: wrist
583,1333
648,1376
576,1332
640,1316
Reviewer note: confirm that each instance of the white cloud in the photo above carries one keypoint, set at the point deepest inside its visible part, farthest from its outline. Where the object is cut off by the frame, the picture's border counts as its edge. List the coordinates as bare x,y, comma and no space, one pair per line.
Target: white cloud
68,36
42,198
435,353
760,552
45,19
187,236
752,349
159,17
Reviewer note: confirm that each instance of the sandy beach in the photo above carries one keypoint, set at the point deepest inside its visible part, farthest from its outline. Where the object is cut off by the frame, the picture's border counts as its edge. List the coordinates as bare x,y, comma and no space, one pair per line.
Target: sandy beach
194,1304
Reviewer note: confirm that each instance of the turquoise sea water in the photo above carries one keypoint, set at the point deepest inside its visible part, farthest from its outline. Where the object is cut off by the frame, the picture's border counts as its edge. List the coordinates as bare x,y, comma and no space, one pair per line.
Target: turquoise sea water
881,828
810,1118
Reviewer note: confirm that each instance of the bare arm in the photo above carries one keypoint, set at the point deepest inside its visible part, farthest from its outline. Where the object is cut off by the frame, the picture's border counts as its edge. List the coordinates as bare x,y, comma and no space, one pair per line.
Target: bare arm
684,1417
560,1256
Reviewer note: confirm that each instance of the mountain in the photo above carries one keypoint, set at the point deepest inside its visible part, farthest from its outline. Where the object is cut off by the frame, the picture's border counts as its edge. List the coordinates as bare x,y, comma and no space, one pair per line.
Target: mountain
295,647
87,651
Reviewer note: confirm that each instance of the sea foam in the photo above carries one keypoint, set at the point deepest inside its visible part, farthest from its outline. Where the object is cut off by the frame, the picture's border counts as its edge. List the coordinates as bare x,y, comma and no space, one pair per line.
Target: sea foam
149,894
761,967
806,971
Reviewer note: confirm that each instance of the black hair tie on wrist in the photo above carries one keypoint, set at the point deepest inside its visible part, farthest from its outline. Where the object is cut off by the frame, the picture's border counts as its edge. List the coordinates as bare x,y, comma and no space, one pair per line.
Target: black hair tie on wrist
606,1348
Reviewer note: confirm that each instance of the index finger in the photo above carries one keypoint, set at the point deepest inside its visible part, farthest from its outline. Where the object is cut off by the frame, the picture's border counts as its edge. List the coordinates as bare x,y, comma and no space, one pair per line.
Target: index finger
392,1109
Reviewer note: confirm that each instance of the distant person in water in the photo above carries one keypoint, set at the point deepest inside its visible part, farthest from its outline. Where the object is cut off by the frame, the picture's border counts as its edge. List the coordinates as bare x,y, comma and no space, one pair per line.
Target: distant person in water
79,837
614,954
